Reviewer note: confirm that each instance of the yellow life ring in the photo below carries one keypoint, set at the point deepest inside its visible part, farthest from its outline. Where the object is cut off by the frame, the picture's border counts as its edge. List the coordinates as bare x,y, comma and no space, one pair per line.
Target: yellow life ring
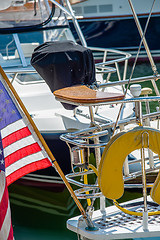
110,176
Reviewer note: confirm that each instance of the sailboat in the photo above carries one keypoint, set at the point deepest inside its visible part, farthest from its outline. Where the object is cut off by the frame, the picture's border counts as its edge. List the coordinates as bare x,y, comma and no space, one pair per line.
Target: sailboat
101,170
100,143
26,25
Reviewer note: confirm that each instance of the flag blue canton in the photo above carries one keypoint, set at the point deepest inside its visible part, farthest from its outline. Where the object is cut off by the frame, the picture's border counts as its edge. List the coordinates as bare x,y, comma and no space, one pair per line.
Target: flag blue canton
2,163
8,110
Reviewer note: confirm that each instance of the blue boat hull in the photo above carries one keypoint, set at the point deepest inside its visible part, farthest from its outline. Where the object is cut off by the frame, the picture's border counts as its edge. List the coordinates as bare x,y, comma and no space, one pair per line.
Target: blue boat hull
119,33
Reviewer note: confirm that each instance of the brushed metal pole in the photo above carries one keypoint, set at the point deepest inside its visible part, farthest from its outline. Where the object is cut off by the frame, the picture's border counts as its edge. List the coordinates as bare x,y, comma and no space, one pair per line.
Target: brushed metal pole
154,68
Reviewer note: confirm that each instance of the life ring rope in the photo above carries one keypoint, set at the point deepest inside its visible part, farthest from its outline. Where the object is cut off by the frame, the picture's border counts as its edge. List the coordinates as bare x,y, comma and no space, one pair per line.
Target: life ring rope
140,214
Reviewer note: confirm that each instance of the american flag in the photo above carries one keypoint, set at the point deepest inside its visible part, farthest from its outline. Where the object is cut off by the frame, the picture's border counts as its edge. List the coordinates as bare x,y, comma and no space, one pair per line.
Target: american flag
21,147
6,230
21,151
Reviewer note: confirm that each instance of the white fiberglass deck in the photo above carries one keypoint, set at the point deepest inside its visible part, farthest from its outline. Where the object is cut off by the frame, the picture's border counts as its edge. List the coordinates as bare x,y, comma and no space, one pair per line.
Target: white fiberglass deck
118,225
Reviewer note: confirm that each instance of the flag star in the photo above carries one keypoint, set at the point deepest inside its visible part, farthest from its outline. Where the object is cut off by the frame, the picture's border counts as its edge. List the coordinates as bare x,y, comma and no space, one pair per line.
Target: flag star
7,101
1,91
1,119
13,111
3,110
0,151
2,161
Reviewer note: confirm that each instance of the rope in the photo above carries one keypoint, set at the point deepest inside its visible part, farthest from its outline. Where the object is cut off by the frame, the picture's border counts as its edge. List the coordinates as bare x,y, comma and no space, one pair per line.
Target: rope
94,169
133,212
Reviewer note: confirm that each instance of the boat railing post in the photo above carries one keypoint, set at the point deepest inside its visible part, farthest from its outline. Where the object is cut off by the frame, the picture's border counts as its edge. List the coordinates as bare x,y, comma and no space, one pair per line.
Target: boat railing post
136,91
125,165
125,69
119,76
103,205
76,24
145,212
146,92
98,158
157,109
105,55
14,77
96,140
19,49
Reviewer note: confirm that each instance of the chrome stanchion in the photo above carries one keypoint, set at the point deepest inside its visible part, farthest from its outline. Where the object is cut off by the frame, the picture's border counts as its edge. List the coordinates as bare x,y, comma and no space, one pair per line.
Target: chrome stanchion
136,91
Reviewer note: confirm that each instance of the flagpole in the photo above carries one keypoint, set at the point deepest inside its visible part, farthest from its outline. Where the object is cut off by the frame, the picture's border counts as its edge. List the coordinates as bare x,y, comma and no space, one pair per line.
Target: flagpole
45,147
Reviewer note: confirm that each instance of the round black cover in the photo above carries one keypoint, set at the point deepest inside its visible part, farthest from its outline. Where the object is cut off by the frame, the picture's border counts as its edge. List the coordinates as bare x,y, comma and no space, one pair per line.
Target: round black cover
64,64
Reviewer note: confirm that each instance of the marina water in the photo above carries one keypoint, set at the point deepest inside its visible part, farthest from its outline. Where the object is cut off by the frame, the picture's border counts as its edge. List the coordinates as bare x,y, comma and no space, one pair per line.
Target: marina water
41,214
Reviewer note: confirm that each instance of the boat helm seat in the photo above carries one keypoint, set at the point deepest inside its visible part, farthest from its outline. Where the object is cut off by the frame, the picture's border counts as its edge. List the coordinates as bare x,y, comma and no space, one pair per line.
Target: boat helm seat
64,64
81,94
110,172
68,68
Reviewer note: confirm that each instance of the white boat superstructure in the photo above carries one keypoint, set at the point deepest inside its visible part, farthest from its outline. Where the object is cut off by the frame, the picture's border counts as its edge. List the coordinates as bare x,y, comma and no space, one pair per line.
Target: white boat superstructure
47,113
103,8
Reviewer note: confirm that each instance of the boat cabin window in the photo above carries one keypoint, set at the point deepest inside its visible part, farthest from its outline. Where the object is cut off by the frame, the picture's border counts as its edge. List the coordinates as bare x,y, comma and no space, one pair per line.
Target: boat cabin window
106,8
28,78
90,9
24,27
78,10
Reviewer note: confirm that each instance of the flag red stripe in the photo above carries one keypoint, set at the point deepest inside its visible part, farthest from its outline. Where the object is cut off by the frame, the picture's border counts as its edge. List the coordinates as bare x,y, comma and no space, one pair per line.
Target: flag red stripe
15,136
3,205
10,236
44,163
21,153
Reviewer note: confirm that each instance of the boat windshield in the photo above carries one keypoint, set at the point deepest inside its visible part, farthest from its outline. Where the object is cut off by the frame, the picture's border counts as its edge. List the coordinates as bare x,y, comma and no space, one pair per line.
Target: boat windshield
16,49
30,16
23,28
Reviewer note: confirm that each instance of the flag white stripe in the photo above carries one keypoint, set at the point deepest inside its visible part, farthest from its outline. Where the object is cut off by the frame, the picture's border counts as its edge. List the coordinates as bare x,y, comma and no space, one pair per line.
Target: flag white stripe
13,127
2,184
24,161
4,233
18,145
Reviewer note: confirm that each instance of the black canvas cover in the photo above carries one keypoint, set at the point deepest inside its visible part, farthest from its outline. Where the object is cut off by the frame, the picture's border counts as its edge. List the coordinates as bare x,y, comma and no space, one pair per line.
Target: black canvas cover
64,64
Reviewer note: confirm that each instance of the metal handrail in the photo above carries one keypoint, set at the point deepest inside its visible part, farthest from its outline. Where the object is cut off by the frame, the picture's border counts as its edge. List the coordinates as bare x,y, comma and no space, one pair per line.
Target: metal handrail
78,174
133,80
127,121
110,62
139,173
127,100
